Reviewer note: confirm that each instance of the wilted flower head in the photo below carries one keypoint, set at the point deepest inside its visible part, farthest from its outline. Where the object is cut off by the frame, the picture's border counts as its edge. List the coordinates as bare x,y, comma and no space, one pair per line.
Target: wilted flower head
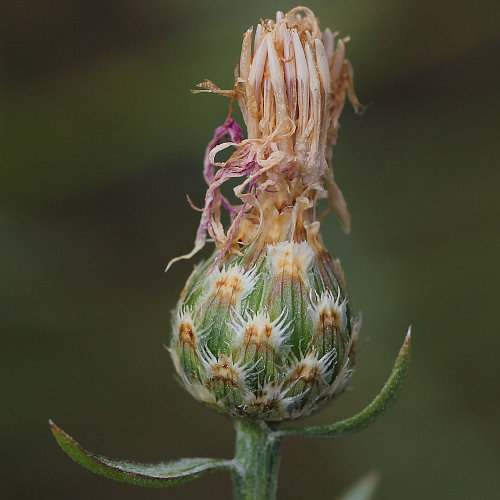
291,87
264,328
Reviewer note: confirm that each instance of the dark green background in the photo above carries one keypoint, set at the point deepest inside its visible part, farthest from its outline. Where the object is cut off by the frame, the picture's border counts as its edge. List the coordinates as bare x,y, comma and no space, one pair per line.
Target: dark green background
101,142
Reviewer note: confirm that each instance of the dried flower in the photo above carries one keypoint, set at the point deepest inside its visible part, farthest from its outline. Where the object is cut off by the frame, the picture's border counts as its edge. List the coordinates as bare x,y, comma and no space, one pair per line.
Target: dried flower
264,329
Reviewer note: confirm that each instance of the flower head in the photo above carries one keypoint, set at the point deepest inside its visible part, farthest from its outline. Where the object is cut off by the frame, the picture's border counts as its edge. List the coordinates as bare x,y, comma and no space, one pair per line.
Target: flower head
263,329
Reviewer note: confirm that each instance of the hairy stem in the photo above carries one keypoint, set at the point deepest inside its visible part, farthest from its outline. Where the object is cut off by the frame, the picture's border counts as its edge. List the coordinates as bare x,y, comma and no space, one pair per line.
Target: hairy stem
258,452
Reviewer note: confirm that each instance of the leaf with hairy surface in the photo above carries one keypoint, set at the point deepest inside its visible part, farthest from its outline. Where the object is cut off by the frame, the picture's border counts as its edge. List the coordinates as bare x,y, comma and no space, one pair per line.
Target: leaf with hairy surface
158,475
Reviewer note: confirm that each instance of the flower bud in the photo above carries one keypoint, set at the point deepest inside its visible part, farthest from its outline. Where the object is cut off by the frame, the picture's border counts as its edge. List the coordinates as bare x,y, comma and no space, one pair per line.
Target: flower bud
264,329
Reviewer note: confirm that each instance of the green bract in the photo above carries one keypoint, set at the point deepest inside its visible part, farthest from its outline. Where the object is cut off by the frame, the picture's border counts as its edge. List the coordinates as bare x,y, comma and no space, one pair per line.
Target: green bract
268,336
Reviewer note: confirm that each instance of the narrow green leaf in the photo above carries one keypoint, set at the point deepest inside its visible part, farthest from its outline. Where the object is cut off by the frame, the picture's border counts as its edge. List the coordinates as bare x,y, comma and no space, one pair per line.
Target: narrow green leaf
158,475
366,417
364,488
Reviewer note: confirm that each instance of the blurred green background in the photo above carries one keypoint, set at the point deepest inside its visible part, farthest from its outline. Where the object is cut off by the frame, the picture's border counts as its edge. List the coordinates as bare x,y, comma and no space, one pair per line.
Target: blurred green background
101,142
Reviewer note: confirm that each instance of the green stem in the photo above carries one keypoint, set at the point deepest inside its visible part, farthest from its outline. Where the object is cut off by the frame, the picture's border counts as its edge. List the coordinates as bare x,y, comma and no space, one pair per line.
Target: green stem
258,451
